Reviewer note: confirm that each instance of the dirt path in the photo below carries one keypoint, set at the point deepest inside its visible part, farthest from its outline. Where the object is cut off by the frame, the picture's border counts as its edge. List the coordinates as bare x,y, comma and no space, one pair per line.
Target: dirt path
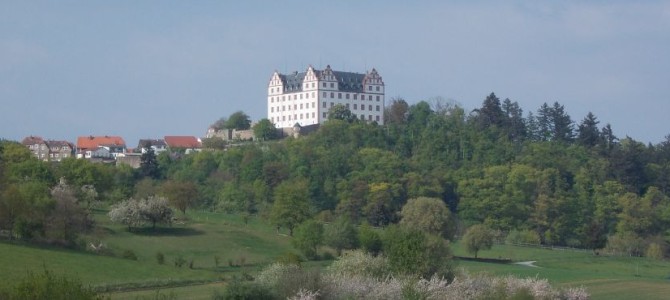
530,263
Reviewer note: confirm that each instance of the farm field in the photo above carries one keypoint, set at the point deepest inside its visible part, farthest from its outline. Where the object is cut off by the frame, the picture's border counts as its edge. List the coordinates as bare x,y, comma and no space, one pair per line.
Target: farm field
249,247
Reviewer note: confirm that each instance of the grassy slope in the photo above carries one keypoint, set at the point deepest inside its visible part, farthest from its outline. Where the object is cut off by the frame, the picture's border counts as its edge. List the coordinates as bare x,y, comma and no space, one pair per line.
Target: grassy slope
604,277
208,235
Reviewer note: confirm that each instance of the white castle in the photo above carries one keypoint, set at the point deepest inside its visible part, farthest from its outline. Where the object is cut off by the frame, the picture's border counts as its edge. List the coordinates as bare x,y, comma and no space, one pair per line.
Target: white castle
305,98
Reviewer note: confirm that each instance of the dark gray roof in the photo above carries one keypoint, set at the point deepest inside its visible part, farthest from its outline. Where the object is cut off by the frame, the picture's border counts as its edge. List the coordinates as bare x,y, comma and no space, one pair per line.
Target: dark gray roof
347,81
293,82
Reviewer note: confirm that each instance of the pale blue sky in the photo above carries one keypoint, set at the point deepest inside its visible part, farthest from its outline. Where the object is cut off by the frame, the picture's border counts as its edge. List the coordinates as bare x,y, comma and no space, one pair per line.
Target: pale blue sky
145,69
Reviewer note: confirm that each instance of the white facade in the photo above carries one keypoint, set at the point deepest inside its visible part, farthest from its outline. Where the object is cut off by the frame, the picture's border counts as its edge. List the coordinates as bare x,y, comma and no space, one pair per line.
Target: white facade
305,98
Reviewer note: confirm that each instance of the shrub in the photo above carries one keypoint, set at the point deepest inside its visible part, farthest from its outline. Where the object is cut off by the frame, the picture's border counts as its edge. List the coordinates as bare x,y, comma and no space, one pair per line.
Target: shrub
412,252
179,261
160,258
129,254
654,251
370,240
289,258
360,263
49,286
217,260
523,237
287,280
244,290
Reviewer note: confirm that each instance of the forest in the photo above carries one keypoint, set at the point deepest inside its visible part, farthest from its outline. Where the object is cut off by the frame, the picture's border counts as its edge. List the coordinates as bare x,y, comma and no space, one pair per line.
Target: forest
540,174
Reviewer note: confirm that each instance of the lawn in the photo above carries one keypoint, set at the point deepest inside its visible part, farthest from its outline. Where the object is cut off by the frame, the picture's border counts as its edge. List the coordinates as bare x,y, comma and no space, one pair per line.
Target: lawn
605,277
242,247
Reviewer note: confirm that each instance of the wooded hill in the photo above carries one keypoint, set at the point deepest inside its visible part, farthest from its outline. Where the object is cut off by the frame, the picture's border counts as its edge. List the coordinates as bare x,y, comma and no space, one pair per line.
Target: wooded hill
572,182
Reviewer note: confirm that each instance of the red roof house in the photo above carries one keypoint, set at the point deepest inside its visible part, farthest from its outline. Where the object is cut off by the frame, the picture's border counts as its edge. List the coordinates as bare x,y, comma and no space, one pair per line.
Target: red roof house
182,142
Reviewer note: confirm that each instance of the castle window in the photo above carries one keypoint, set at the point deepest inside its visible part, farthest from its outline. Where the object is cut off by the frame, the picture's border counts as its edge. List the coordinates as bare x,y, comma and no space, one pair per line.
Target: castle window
295,106
325,94
300,116
369,117
377,98
313,104
347,96
339,95
324,105
347,105
377,118
324,115
332,95
370,97
355,106
362,106
362,117
301,106
283,108
300,96
355,97
331,104
272,109
377,107
312,84
283,118
313,115
324,84
377,89
369,88
313,94
332,85
283,98
370,107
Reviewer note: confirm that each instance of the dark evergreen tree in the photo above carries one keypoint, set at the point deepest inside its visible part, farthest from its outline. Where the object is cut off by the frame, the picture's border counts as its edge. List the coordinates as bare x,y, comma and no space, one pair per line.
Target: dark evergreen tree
491,113
562,124
149,164
589,134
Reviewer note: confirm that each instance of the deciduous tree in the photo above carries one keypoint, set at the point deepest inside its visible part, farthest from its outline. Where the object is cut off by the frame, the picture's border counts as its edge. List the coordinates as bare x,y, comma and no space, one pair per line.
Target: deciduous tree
478,237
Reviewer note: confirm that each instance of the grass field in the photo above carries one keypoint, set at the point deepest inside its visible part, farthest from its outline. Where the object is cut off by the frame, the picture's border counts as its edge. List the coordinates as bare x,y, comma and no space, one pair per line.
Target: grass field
208,235
604,277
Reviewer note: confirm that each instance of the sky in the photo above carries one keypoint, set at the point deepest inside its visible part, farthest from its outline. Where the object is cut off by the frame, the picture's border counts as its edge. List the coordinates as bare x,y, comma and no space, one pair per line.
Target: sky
146,69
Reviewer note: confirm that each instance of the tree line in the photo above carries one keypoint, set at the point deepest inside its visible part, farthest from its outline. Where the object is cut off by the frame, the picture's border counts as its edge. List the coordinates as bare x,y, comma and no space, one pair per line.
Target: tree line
567,182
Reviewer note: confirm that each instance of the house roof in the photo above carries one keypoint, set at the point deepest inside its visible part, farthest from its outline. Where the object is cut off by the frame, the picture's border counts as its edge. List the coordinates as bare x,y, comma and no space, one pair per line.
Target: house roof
150,142
32,140
176,141
92,142
59,144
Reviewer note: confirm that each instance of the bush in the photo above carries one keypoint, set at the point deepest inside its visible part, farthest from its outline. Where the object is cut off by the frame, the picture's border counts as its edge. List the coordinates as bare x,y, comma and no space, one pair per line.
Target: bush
237,290
289,258
360,263
412,252
49,286
654,251
160,258
370,240
179,261
129,254
523,237
287,280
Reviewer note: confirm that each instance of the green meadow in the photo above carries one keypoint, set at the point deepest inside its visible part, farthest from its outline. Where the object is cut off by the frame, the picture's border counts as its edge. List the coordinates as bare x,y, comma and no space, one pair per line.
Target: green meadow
246,248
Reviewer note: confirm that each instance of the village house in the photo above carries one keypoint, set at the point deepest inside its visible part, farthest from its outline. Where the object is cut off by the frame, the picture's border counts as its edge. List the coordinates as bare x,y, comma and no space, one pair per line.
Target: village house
187,144
105,147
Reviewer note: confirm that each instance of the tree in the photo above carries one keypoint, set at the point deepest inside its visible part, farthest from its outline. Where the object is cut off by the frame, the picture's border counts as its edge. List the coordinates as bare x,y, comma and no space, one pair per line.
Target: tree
291,204
149,164
155,210
413,252
341,234
491,113
181,194
264,130
308,237
238,121
127,213
397,112
589,134
429,215
341,112
370,240
478,237
68,218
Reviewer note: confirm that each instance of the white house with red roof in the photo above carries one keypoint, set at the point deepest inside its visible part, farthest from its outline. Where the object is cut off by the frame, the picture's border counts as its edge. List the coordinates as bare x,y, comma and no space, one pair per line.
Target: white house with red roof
100,146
